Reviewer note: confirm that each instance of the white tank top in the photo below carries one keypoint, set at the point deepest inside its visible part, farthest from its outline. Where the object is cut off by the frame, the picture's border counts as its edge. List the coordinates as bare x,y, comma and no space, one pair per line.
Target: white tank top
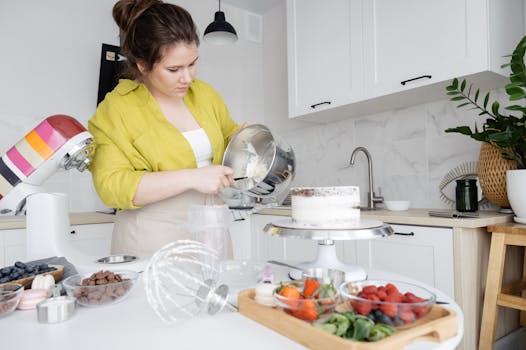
201,146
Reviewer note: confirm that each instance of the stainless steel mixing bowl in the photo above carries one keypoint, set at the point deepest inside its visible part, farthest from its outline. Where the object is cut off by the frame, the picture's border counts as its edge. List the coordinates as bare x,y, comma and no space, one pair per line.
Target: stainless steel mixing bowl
263,163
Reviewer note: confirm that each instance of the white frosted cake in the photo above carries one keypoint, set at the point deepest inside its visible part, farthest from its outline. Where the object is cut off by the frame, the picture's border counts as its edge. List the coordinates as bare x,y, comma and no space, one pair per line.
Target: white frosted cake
325,206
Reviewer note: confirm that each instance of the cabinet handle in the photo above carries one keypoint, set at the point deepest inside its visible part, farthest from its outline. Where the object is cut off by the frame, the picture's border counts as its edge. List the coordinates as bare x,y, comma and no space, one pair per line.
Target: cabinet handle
409,80
73,232
404,234
321,103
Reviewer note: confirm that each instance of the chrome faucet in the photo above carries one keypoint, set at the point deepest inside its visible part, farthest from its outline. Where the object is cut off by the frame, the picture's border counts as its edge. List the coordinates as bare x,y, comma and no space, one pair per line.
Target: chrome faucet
372,199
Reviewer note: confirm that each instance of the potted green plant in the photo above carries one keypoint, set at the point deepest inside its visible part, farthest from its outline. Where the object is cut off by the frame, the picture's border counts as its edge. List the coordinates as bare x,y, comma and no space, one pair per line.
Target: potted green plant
506,131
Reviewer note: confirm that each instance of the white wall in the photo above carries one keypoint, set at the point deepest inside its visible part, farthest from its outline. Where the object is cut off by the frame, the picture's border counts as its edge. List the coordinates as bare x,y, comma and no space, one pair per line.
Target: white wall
411,153
50,56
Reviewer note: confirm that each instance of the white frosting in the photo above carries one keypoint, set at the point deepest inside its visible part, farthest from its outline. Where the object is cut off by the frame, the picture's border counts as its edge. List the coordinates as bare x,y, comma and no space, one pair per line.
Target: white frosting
326,205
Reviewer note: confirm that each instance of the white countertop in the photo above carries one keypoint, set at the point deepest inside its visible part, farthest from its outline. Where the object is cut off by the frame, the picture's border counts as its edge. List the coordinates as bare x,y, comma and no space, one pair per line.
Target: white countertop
409,217
417,217
8,222
132,324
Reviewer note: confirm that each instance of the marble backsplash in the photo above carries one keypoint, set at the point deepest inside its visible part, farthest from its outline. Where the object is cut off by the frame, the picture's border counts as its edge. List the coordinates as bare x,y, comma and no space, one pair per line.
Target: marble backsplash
410,151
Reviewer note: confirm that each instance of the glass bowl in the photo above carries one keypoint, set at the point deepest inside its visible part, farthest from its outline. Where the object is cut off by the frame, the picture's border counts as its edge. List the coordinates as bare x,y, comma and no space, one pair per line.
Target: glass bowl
10,295
100,294
394,303
309,308
240,274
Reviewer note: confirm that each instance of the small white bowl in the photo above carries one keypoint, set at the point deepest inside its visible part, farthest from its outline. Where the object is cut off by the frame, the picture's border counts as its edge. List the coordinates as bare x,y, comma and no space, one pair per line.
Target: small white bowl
397,205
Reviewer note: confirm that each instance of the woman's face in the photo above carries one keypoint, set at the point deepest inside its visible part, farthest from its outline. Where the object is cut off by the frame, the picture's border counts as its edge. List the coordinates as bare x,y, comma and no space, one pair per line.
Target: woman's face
173,74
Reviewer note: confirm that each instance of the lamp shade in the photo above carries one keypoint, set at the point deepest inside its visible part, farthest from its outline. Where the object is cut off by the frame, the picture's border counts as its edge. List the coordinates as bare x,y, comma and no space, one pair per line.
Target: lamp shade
220,32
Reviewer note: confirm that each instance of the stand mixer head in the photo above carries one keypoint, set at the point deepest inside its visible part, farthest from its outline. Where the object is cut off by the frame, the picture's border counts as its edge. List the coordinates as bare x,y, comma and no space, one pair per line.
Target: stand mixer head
58,142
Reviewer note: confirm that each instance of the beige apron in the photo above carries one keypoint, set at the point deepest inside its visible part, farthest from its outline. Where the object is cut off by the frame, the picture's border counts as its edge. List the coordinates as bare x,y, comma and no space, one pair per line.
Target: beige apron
141,232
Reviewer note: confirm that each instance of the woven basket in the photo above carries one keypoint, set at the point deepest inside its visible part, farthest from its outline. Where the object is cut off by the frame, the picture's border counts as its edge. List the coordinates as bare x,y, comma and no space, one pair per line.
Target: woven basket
492,174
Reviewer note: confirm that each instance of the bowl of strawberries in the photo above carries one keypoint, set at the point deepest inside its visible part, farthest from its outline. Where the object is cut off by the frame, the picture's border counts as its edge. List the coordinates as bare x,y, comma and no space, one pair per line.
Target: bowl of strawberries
394,303
308,299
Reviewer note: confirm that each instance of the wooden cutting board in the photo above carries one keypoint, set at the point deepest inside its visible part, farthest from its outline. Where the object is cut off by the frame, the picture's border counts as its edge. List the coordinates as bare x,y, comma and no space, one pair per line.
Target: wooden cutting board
26,282
438,325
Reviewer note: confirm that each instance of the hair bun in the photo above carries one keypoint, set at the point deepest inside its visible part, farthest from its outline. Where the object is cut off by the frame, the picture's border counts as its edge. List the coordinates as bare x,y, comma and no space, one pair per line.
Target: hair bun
126,12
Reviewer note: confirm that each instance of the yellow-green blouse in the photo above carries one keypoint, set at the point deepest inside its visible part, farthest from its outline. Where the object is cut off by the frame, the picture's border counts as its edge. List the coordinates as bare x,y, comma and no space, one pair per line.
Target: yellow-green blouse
132,136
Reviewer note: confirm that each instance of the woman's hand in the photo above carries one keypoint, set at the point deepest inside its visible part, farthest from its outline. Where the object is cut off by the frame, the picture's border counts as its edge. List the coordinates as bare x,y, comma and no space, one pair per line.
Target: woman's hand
212,179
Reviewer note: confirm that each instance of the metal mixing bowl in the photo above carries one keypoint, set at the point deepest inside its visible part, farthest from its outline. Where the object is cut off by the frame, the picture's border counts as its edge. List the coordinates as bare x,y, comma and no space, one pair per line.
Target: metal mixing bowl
263,164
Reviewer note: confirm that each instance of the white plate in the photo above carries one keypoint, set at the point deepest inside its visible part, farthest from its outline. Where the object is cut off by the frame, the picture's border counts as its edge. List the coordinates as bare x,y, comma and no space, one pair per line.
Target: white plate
519,220
359,225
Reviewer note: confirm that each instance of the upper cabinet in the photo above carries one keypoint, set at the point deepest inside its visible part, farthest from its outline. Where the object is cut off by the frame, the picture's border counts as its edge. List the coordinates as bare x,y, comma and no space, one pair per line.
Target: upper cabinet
356,57
324,54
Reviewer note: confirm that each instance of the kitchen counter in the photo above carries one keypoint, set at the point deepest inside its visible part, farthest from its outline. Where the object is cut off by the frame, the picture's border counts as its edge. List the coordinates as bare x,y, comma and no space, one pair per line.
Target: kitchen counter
132,324
409,217
8,222
417,217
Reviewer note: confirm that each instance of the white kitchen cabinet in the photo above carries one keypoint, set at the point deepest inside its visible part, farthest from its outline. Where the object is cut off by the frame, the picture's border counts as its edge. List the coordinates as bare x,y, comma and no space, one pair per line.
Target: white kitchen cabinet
241,237
90,239
324,53
414,43
420,252
12,246
369,56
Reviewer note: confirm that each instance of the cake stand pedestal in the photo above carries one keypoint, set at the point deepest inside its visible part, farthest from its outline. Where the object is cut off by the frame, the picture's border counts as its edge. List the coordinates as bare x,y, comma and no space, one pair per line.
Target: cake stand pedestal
326,237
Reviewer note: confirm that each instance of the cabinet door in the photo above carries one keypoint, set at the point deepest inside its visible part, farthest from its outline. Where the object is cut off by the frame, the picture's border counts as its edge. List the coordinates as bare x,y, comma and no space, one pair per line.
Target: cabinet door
13,246
92,239
419,252
324,54
425,40
241,238
266,247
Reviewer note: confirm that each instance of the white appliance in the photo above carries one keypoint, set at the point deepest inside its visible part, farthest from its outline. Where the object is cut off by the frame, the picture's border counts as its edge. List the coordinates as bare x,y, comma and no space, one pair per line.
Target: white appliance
59,142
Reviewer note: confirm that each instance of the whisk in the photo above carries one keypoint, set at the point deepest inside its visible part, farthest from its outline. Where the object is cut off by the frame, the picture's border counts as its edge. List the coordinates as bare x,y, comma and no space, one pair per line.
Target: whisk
181,281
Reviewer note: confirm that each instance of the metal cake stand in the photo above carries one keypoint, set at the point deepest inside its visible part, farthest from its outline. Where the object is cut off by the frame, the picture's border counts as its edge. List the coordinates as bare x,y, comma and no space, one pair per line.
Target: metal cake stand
326,237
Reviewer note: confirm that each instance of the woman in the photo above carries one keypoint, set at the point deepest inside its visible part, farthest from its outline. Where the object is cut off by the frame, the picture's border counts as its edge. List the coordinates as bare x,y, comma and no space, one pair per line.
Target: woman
159,137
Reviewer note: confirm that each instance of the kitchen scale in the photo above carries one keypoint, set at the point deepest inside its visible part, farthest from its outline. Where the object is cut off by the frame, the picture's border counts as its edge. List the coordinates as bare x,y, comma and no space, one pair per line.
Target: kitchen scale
326,237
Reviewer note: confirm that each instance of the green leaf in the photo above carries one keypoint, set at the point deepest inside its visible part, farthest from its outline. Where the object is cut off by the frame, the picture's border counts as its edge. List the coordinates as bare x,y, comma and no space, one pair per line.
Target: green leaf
477,95
327,327
516,108
463,85
362,327
517,97
465,130
455,83
463,104
486,99
453,92
458,98
451,88
514,90
495,108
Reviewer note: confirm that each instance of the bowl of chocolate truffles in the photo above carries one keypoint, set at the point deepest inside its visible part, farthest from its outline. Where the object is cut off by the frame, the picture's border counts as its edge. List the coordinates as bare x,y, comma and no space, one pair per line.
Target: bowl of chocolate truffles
101,287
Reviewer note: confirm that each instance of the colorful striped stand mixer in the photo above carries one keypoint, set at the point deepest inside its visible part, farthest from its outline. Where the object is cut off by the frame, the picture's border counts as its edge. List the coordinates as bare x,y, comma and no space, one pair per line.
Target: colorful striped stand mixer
59,142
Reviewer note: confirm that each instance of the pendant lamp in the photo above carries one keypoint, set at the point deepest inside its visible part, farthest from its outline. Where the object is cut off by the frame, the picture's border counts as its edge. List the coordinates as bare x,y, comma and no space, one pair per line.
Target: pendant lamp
220,32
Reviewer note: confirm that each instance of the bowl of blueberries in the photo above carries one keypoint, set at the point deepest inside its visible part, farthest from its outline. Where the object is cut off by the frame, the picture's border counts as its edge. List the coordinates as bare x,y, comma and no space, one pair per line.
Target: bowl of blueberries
23,273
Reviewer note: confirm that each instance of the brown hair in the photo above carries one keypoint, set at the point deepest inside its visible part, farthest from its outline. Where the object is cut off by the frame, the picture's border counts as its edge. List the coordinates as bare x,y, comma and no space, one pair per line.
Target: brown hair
147,27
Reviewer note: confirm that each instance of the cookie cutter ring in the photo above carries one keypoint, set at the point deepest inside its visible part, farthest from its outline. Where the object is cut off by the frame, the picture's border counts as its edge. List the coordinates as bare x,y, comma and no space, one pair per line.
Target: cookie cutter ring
56,309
